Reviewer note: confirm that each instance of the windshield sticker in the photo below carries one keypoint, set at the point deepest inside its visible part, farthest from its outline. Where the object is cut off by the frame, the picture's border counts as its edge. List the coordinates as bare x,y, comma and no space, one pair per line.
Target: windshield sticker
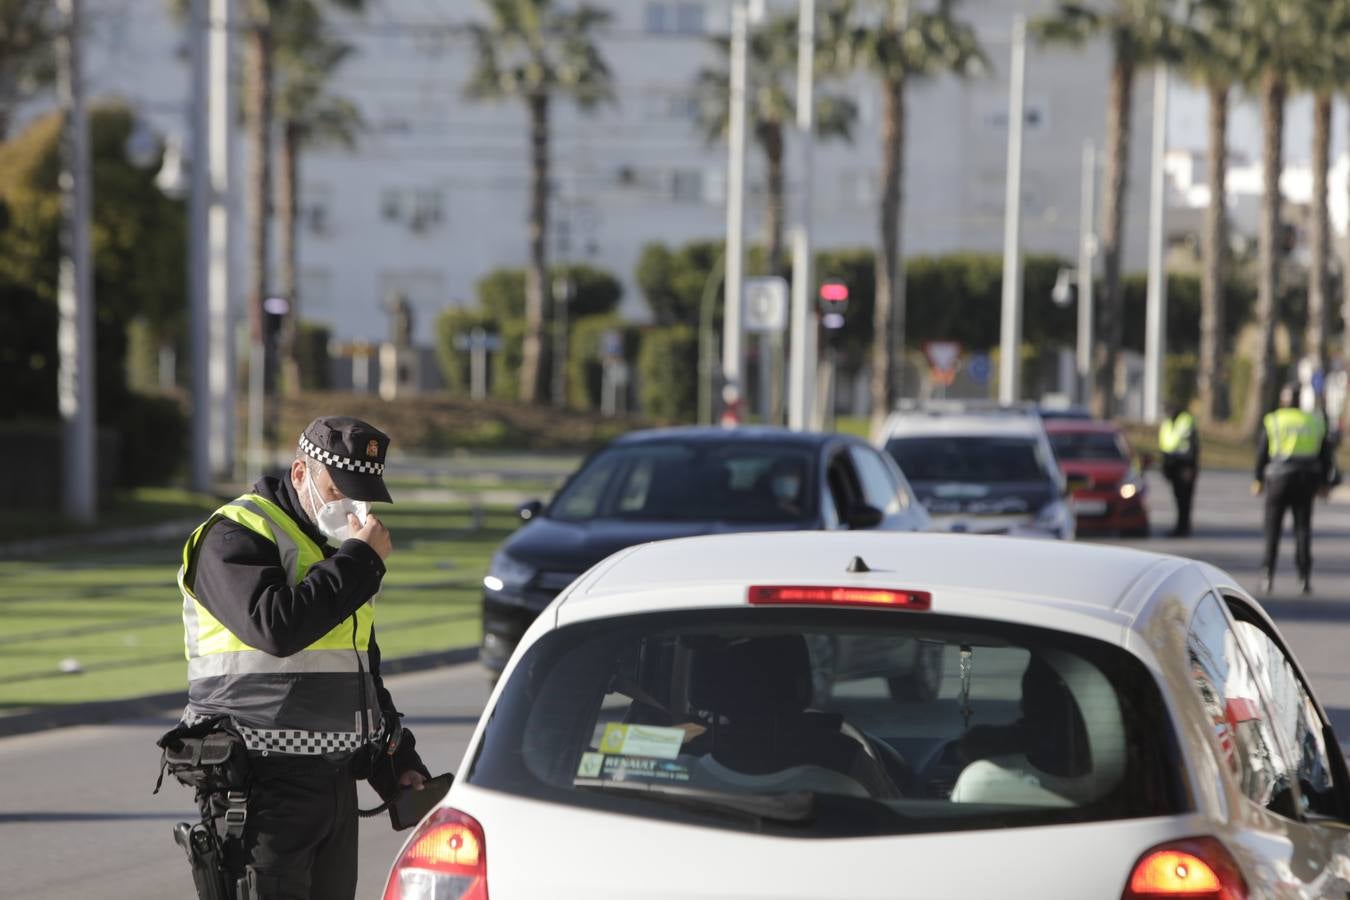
642,740
590,765
621,768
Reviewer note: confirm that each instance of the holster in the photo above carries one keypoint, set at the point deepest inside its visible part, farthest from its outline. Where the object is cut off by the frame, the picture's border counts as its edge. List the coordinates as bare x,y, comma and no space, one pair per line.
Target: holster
210,757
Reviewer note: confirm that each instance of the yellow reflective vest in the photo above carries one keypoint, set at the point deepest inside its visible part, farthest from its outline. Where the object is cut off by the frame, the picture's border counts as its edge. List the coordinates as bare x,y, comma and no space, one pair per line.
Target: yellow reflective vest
1292,434
309,702
1174,435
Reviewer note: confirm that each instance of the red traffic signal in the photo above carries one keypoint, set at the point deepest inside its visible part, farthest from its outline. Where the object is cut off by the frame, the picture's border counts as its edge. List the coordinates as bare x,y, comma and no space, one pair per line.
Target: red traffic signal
834,292
833,302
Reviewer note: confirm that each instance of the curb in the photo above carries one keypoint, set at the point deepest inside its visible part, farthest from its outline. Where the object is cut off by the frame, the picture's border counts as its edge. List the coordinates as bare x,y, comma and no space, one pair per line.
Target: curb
104,711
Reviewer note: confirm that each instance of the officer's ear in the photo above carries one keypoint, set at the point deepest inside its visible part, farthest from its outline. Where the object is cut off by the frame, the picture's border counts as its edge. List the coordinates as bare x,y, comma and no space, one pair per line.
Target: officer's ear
299,472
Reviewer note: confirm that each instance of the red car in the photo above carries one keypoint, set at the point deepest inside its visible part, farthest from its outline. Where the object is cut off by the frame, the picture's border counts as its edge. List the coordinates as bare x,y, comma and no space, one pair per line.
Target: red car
1109,492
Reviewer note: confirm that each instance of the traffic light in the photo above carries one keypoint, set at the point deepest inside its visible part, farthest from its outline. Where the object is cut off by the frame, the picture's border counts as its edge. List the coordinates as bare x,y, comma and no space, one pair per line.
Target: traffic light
833,304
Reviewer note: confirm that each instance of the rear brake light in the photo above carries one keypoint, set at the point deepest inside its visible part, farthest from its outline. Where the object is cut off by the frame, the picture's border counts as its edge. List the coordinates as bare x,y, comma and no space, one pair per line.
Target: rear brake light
445,859
1191,869
840,596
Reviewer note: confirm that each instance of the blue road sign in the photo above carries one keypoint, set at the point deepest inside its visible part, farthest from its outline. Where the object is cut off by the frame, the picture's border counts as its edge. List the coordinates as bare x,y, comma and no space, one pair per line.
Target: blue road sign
978,368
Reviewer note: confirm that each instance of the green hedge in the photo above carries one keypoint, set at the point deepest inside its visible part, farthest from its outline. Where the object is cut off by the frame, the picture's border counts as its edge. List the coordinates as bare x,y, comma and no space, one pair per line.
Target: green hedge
584,364
668,373
152,439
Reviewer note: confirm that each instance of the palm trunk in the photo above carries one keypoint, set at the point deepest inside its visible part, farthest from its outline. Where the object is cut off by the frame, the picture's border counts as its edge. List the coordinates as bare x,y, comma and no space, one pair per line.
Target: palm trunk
1272,162
287,191
771,139
1109,316
888,319
536,273
1319,276
1215,251
258,114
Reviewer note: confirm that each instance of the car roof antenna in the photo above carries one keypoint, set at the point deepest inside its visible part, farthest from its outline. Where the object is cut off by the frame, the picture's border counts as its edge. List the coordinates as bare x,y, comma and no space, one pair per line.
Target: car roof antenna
856,564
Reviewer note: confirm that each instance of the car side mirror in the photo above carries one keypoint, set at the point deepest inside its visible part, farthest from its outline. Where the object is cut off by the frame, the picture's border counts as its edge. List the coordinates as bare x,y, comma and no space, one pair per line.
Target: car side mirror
862,516
529,509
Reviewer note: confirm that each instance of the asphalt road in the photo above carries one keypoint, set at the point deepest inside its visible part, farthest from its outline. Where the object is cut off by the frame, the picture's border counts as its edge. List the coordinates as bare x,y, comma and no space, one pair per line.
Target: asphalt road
77,818
78,821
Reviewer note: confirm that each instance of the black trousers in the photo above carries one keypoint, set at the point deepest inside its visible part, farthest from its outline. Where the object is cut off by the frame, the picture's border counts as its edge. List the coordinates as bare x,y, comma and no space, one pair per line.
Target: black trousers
1294,492
300,833
1182,478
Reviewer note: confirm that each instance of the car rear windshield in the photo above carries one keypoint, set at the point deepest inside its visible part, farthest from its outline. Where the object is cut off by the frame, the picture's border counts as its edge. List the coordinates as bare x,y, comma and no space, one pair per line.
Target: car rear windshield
833,723
977,460
699,482
1087,445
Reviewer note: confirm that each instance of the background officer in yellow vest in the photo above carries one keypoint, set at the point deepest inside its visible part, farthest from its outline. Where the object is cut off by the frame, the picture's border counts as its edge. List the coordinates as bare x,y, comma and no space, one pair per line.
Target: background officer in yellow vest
1294,463
279,627
1179,444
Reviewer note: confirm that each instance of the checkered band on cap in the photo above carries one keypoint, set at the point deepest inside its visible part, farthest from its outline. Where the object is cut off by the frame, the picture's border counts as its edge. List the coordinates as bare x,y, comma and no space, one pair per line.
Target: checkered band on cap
329,458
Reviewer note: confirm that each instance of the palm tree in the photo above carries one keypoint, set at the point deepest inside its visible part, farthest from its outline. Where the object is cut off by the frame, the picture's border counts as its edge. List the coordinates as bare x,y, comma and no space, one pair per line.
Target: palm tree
770,97
307,58
1213,60
533,51
26,34
897,41
1277,46
1332,71
1141,33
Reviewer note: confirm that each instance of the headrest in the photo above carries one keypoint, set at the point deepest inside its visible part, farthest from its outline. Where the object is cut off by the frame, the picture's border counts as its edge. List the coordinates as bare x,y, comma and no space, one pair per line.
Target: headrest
751,675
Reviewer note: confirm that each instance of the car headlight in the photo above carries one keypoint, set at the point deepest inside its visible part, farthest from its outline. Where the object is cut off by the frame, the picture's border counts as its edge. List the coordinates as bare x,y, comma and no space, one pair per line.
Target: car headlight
1130,487
506,571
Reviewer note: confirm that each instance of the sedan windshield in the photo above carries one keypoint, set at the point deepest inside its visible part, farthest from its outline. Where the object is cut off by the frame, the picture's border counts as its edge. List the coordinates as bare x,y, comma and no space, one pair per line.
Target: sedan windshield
1087,445
833,723
973,460
691,482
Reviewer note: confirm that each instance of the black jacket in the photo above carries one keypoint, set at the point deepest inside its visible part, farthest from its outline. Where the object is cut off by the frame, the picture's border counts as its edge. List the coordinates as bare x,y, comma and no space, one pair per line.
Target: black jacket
240,580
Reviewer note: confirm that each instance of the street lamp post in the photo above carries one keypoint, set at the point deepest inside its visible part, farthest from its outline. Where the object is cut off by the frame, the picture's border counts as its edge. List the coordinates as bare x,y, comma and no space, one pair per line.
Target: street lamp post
802,351
1010,342
1155,340
731,323
1087,251
75,287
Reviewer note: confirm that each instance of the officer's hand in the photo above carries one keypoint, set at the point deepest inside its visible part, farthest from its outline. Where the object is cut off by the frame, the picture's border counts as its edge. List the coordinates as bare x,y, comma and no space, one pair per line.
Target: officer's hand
1257,487
412,779
373,533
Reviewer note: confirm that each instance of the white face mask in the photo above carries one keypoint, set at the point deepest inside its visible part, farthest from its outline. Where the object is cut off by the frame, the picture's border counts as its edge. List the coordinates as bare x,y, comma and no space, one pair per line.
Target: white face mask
331,517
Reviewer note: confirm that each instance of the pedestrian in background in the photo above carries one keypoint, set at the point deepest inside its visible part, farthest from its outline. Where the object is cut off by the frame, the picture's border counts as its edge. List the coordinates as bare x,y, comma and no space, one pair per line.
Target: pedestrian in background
278,588
1179,444
1294,463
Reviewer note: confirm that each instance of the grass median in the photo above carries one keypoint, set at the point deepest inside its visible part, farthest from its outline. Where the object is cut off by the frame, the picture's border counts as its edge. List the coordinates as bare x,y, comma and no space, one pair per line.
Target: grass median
113,617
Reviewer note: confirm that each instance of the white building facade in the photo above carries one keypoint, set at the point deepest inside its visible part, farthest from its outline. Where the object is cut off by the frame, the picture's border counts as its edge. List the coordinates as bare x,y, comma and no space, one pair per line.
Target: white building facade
435,194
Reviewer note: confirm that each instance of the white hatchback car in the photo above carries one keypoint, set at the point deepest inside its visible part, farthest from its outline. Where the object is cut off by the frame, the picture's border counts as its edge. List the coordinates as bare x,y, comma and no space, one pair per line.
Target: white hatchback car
1111,724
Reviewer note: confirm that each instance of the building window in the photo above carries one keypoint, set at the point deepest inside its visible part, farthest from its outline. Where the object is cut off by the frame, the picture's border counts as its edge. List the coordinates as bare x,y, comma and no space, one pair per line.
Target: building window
391,205
656,18
689,18
686,186
313,211
421,209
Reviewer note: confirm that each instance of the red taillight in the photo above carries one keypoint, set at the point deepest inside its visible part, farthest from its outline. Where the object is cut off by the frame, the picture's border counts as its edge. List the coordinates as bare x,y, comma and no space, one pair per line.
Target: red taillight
840,596
446,858
1191,869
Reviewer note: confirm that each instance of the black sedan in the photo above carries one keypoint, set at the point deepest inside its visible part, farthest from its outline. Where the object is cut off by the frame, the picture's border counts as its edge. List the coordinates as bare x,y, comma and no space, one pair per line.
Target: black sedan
679,482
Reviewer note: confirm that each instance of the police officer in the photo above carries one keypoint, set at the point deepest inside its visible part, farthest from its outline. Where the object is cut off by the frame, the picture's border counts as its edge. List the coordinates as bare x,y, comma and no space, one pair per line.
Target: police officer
1294,463
277,590
1179,444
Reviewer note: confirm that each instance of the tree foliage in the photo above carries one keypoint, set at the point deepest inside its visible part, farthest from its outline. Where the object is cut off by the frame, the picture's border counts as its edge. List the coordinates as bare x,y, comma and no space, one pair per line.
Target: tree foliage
138,250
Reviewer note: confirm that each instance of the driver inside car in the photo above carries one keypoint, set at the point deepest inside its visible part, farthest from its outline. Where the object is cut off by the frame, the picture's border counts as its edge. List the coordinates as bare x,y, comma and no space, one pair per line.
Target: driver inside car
1042,759
755,693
